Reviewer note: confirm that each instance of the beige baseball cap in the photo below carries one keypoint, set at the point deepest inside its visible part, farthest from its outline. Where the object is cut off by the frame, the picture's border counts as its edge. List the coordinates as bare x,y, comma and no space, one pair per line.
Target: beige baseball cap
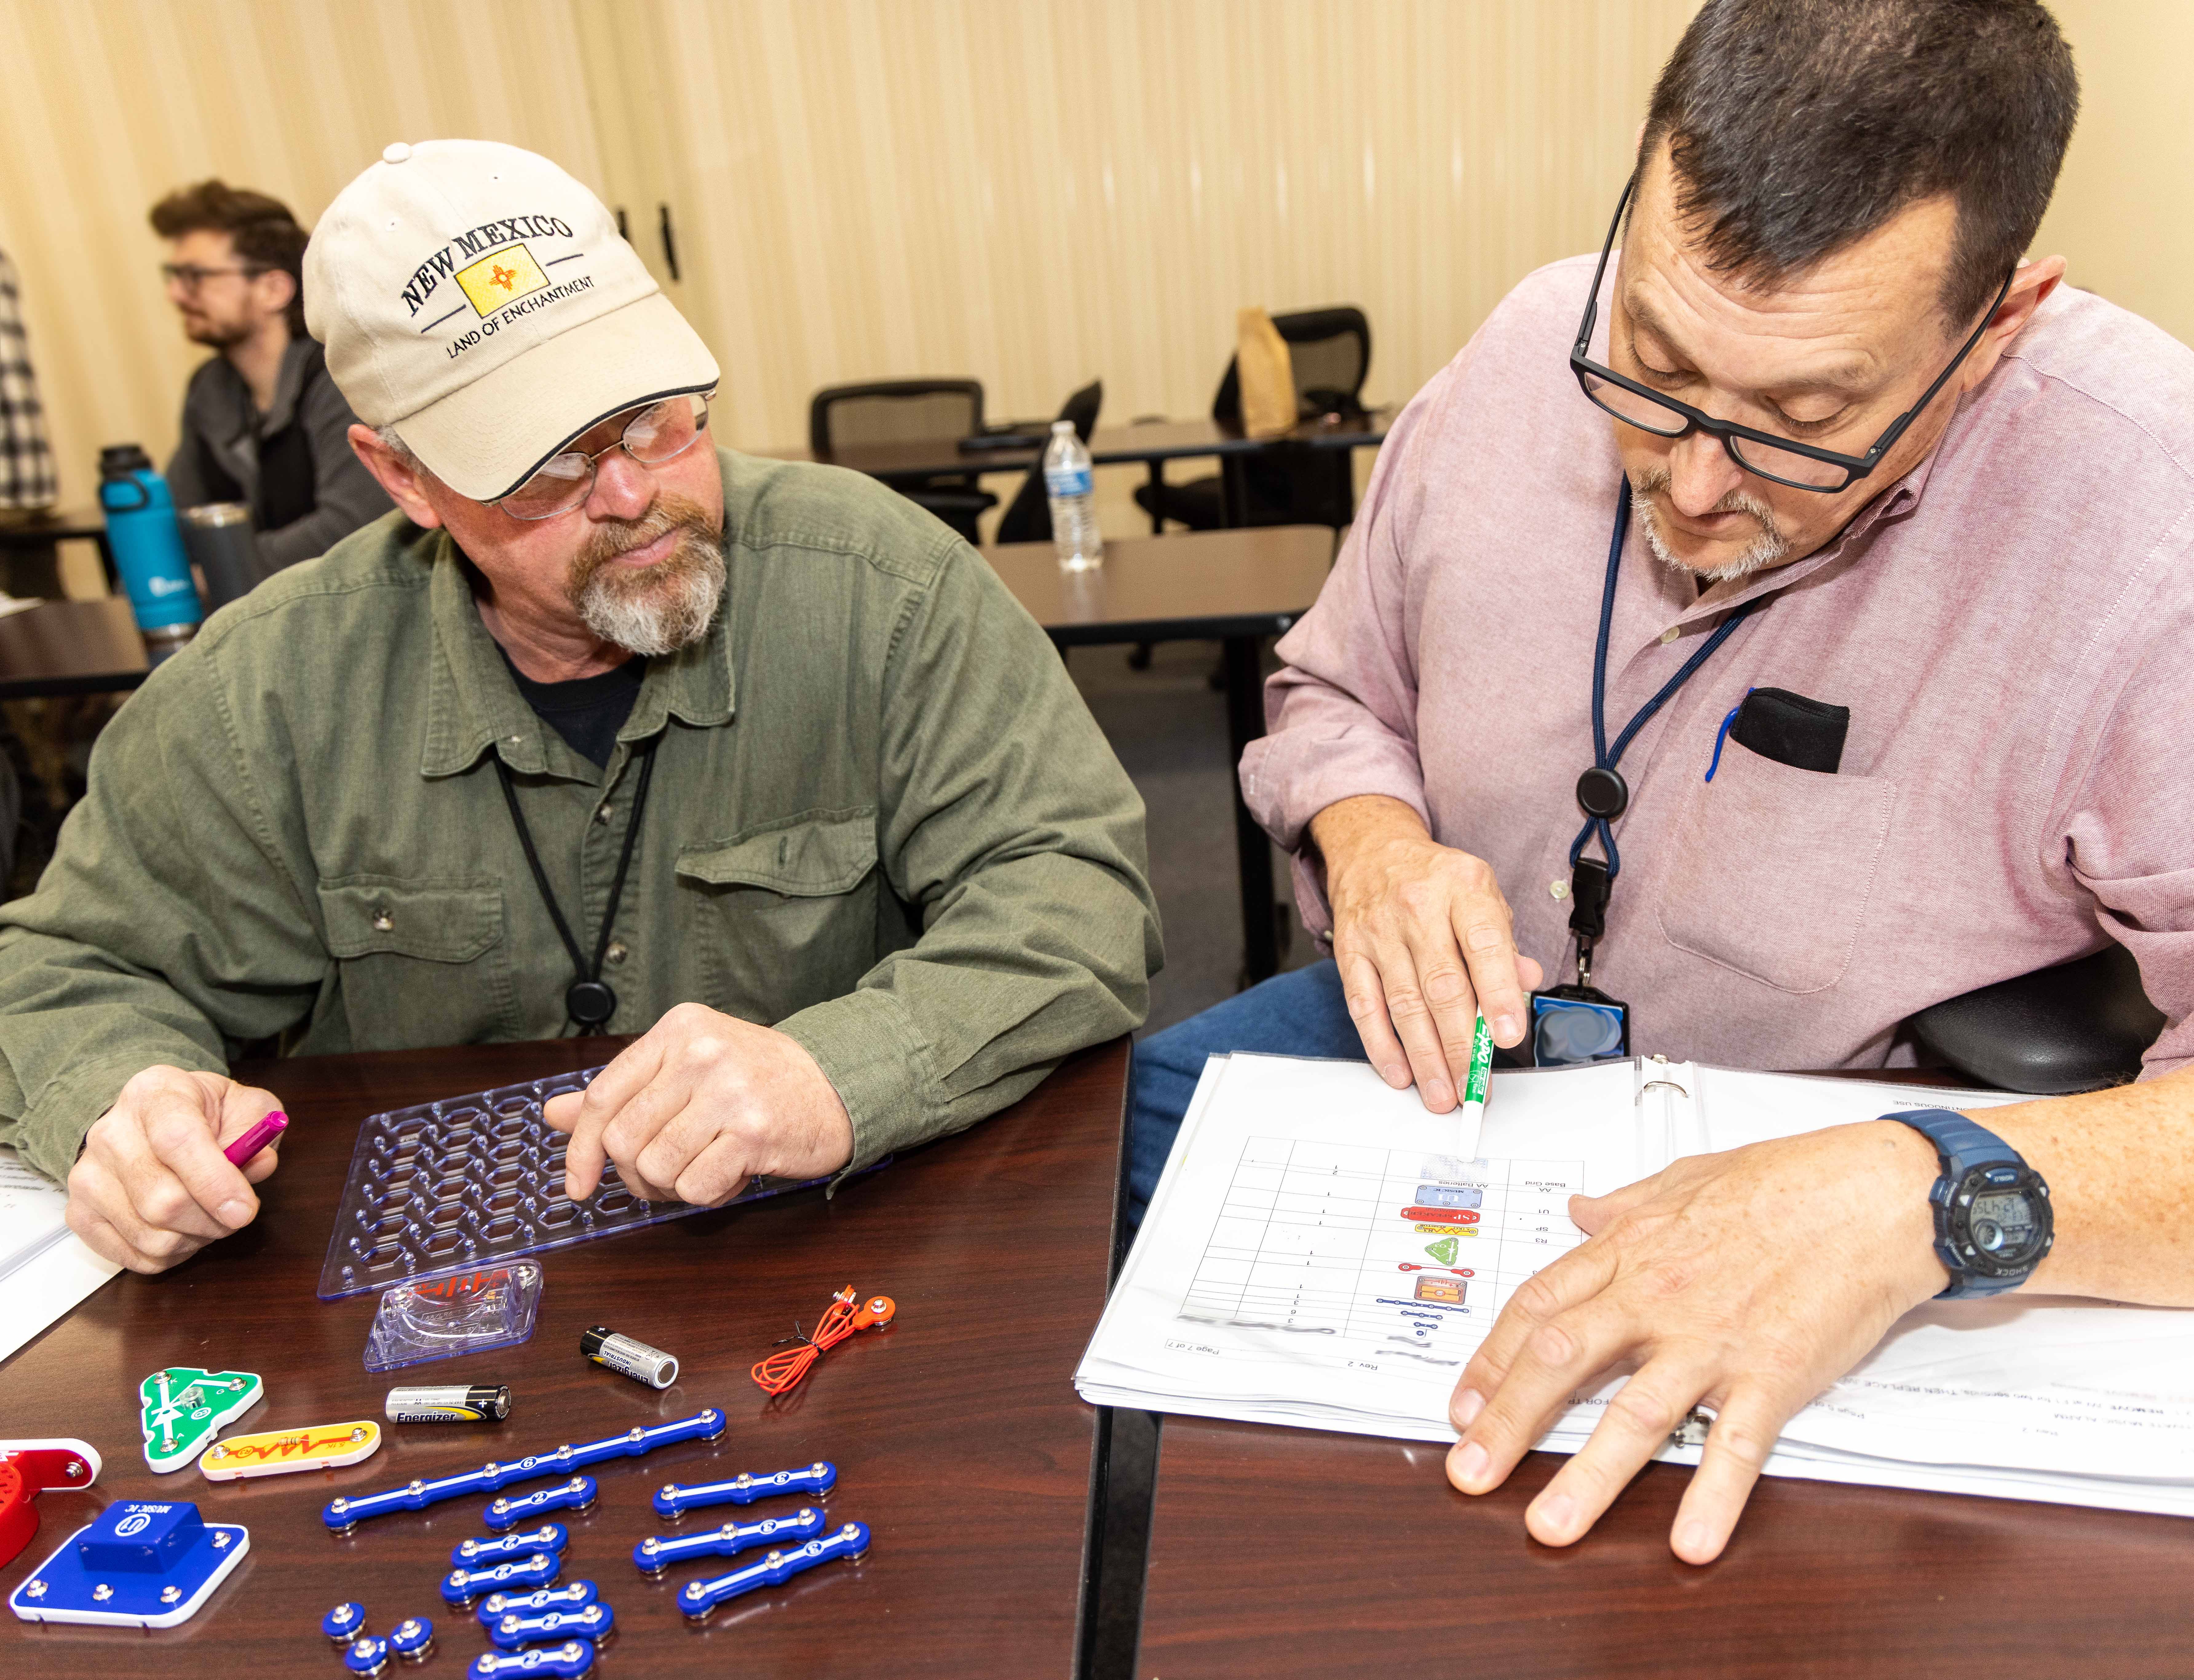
481,300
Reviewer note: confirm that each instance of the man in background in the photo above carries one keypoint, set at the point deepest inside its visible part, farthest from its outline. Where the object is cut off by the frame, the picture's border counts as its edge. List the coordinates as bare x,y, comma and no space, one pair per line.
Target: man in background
263,424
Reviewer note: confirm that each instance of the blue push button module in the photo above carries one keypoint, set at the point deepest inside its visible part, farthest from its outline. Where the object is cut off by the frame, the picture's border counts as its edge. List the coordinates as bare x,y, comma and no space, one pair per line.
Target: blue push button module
141,1564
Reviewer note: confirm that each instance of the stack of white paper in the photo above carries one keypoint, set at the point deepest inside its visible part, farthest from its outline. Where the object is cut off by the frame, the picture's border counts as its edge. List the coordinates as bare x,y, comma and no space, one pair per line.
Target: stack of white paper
45,1268
1322,1253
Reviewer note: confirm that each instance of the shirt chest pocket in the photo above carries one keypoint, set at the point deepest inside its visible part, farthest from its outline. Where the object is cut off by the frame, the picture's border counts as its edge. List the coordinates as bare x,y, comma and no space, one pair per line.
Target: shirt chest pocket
1772,869
419,963
789,913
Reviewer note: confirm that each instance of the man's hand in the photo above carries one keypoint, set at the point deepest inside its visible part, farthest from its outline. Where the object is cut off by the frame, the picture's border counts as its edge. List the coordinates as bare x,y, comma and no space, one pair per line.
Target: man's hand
151,1186
1421,936
1745,1282
701,1104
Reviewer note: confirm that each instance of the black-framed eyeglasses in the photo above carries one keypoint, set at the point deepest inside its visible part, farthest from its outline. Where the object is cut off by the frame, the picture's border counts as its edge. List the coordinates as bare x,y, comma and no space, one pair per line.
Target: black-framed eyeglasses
1780,460
652,434
190,276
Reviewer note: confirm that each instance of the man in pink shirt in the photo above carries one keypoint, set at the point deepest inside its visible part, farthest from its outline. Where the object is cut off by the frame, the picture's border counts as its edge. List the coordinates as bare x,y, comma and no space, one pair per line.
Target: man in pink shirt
1876,538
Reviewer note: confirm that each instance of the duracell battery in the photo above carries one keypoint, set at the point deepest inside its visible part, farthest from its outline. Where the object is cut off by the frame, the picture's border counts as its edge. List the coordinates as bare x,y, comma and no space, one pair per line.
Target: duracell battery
456,1404
635,1359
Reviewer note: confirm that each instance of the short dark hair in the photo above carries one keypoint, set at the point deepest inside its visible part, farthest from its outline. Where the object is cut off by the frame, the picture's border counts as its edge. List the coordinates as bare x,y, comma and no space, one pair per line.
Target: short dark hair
262,230
1796,127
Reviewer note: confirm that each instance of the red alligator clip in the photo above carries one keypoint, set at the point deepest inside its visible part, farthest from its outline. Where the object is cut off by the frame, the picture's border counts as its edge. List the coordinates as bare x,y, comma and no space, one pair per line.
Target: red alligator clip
27,1468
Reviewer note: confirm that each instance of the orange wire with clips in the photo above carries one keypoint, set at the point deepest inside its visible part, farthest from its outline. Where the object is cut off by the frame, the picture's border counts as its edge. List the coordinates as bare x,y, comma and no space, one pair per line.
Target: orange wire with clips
780,1374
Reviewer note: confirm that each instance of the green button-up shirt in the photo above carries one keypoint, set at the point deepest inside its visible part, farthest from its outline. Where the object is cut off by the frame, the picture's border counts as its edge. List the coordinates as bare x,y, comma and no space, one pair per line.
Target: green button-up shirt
882,821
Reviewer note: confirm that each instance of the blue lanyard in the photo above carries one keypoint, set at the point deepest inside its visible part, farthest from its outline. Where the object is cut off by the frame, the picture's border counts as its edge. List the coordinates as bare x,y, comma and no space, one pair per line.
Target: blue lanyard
1606,757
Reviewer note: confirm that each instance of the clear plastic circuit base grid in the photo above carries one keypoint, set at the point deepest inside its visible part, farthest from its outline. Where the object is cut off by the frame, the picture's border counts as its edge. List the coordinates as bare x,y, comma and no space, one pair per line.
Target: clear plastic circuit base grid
456,1185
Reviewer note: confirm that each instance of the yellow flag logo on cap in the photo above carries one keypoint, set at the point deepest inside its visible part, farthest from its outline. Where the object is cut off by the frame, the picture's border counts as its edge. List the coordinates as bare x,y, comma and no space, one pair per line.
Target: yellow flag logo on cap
501,276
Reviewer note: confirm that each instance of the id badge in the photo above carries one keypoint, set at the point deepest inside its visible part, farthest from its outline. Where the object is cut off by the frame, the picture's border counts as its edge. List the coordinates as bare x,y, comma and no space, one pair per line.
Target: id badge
1574,1024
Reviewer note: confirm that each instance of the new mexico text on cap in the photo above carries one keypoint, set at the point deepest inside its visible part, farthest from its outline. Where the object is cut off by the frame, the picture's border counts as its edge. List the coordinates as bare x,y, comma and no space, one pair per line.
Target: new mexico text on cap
481,300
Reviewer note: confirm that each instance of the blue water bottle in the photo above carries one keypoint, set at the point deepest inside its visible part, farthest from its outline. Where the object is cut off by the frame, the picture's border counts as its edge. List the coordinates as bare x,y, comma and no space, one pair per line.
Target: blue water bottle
148,540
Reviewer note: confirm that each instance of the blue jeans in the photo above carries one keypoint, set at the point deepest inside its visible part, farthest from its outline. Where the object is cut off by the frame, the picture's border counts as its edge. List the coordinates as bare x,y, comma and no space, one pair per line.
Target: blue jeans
1298,1014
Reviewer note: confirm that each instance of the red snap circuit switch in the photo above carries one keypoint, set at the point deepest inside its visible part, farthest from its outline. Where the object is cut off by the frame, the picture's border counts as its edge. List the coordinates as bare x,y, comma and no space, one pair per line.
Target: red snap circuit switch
27,1468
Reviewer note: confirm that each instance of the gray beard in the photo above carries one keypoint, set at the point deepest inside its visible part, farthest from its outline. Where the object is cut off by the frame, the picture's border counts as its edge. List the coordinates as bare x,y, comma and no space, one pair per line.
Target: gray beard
663,615
1765,550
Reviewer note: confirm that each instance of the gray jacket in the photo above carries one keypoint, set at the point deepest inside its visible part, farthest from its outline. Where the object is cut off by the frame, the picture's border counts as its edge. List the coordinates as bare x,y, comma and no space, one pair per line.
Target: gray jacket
294,468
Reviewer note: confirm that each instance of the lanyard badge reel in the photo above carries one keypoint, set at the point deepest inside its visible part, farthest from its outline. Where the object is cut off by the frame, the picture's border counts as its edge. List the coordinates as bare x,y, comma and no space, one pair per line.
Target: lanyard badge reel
1578,1023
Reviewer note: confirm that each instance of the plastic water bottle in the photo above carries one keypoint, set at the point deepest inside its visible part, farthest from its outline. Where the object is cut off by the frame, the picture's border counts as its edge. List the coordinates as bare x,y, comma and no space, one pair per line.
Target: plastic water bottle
1072,491
148,540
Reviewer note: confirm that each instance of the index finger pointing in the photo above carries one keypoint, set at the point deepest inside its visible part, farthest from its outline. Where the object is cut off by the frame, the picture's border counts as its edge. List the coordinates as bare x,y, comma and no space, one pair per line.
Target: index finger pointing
616,1084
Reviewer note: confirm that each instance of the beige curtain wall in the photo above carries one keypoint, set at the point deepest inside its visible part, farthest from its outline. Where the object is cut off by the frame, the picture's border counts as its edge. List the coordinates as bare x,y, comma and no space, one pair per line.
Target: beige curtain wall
1033,192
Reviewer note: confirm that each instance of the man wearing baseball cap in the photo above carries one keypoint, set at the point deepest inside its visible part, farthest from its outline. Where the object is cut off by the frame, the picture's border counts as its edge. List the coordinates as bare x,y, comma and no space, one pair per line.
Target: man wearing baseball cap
617,732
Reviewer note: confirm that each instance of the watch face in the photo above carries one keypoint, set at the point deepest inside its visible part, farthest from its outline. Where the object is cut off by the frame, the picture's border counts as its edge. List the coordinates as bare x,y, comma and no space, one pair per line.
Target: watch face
2001,1228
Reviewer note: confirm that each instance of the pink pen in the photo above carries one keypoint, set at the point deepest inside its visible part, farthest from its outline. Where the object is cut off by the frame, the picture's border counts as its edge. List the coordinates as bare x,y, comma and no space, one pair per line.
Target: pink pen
257,1138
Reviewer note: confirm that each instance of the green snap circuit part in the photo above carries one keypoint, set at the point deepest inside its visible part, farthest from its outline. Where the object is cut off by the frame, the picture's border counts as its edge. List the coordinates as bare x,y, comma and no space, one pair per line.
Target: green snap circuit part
182,1408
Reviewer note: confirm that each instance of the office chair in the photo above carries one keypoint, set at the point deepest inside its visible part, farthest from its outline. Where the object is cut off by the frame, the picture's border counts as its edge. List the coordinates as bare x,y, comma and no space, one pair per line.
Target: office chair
907,411
1027,517
2077,1027
1330,353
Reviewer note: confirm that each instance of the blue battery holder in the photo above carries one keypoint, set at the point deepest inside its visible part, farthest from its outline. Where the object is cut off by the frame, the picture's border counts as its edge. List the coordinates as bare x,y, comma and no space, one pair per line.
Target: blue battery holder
141,1564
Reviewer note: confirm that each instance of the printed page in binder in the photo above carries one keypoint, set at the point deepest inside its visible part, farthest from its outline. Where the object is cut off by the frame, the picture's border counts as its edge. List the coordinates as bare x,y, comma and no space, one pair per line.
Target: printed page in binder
1322,1250
1371,1255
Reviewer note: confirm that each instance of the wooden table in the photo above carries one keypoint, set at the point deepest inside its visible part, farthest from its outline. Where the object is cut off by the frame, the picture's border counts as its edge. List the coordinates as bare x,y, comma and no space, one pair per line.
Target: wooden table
71,647
906,465
956,1432
40,531
1282,1551
1236,587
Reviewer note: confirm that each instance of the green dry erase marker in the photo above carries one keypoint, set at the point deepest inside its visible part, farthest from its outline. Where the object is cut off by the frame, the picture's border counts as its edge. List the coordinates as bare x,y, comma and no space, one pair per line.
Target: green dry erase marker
1481,1072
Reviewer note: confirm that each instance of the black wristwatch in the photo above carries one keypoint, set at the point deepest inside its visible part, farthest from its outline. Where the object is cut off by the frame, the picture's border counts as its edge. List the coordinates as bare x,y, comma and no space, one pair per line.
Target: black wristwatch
1992,1218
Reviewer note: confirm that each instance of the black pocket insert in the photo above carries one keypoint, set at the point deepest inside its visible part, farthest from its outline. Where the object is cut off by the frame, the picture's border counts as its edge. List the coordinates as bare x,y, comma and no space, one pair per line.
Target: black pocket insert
1791,729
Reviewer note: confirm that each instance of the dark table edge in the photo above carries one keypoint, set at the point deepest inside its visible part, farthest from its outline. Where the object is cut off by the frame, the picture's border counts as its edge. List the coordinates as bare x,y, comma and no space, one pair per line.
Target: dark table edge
1101,1444
52,688
1218,627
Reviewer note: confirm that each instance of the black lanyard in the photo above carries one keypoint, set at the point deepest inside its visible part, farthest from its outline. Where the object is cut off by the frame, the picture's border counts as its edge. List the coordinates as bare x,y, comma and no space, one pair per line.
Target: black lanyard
1601,792
588,1000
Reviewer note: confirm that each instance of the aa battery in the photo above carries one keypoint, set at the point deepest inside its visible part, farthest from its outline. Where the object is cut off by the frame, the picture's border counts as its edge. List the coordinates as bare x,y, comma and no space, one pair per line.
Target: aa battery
635,1359
456,1404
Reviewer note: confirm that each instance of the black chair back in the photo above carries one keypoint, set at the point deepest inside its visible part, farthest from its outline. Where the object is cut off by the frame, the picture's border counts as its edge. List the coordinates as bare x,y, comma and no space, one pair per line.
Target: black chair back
2077,1027
893,410
1330,353
1027,517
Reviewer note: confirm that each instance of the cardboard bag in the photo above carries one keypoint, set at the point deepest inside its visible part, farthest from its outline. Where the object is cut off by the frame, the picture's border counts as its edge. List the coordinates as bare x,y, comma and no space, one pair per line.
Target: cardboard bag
1266,374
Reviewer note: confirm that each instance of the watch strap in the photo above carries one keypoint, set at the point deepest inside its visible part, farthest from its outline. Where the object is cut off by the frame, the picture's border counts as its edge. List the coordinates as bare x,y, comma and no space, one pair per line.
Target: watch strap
1961,1144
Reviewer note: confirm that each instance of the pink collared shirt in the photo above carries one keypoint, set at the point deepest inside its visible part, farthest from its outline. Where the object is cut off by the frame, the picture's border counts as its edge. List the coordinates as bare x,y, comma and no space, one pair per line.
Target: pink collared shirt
2012,625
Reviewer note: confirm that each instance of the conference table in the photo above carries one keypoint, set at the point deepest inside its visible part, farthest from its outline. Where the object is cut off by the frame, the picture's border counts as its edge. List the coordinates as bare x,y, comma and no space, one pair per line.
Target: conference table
71,647
32,532
1153,443
1286,1551
955,1431
1236,587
